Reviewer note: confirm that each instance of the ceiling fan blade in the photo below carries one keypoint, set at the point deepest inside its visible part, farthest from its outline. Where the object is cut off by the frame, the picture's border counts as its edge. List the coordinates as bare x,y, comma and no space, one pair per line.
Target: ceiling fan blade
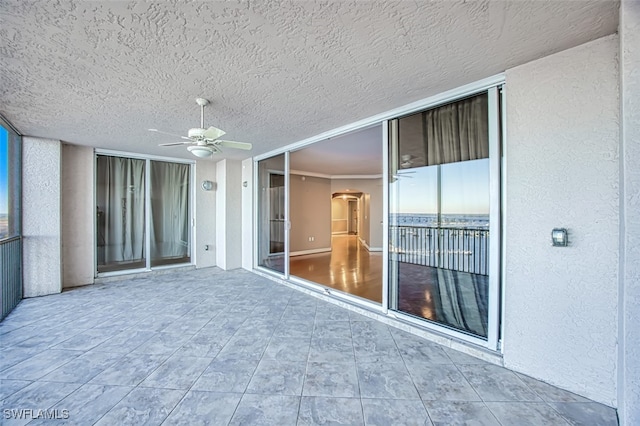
175,143
170,134
233,144
213,133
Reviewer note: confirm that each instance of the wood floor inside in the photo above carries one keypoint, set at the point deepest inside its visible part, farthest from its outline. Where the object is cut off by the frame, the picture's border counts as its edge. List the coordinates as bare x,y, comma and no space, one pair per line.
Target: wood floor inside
455,299
349,267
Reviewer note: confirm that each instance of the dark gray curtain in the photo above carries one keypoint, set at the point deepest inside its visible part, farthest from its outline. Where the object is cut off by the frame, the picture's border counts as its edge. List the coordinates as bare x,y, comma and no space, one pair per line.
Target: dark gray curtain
447,134
169,210
120,210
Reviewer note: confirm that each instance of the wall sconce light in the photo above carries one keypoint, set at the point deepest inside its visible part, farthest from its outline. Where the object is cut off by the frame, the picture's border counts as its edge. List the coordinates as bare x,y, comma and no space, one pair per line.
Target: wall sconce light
559,237
207,185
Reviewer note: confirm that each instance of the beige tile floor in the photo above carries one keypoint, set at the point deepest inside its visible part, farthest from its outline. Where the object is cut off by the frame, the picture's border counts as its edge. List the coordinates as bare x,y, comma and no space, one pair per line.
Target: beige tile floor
215,347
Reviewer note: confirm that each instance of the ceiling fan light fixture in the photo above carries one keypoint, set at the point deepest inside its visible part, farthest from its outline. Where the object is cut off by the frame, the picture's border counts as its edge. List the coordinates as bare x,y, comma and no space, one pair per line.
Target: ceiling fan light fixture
201,151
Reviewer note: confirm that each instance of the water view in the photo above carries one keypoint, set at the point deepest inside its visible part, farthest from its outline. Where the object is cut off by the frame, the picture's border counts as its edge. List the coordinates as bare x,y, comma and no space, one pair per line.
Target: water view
4,225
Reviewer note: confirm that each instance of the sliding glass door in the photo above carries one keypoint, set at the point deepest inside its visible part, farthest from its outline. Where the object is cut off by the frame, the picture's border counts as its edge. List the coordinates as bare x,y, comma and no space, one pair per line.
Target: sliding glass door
142,213
120,213
440,195
438,224
169,213
272,216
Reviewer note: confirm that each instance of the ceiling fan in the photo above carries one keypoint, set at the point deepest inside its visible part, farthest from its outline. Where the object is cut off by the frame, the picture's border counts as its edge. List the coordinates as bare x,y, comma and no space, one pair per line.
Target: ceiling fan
204,142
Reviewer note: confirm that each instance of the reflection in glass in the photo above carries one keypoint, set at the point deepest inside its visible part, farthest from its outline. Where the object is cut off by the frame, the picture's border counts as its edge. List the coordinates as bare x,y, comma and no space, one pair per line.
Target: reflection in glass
271,213
169,189
120,213
4,183
439,215
10,179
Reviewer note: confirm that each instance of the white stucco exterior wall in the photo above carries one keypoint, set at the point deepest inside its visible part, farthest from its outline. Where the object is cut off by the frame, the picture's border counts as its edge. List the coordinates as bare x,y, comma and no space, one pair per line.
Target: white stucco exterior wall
560,320
41,216
629,293
228,214
78,215
205,215
247,214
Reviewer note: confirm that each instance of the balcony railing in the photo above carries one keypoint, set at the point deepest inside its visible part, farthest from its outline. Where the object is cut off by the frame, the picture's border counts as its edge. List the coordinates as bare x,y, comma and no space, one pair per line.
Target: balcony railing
456,249
10,274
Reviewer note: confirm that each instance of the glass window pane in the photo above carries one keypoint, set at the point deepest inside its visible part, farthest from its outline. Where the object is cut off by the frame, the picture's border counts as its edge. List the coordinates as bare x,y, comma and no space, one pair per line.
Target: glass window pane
4,183
271,213
120,213
439,215
170,234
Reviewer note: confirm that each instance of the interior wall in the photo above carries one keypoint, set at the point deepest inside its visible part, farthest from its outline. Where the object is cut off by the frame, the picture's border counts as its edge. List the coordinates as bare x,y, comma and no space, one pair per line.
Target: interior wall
205,215
41,216
78,216
339,216
365,218
629,293
310,213
560,321
373,187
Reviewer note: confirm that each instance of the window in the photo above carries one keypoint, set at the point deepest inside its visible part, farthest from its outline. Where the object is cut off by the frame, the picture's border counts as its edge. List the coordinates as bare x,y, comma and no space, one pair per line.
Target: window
440,215
10,218
142,213
10,158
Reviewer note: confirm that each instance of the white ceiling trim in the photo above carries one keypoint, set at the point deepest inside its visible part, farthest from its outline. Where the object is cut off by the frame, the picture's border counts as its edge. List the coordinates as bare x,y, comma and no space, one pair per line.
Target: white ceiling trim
325,176
114,153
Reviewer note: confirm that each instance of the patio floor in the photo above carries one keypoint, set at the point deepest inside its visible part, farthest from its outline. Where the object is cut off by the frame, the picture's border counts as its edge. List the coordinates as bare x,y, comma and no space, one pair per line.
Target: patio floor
215,347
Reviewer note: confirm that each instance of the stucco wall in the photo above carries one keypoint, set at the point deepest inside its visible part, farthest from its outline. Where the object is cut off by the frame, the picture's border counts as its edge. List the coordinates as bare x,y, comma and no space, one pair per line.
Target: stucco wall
205,215
560,321
78,215
629,370
228,218
41,216
247,214
310,213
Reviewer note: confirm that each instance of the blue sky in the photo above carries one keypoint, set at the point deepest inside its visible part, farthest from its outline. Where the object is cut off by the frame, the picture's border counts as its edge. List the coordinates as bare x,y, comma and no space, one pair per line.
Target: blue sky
465,188
4,196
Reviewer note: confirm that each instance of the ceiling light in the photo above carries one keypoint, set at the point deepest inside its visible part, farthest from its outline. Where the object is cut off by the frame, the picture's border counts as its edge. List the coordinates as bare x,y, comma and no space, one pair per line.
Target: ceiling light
201,151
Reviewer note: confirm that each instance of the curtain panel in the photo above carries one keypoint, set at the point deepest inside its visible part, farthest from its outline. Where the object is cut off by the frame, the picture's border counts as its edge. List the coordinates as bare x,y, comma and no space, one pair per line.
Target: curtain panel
169,188
120,210
447,134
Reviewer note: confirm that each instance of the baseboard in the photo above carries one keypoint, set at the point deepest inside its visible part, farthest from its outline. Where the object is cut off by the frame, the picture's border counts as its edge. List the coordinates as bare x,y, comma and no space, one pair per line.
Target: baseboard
312,251
364,243
370,249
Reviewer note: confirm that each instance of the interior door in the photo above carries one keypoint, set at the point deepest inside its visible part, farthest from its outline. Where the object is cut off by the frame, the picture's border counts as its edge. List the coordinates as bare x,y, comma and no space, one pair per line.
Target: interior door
353,217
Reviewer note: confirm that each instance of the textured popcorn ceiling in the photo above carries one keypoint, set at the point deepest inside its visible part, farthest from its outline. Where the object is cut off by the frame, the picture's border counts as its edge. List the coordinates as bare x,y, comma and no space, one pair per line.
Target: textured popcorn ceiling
101,73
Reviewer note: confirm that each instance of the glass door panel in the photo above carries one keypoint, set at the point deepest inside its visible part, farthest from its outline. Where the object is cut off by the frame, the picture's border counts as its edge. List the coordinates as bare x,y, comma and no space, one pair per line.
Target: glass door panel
272,213
439,215
120,213
169,192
